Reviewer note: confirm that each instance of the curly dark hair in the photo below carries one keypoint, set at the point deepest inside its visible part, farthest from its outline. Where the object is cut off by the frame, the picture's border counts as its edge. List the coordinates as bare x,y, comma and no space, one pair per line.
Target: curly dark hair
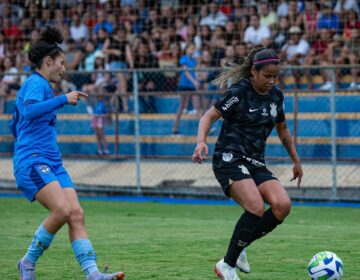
46,46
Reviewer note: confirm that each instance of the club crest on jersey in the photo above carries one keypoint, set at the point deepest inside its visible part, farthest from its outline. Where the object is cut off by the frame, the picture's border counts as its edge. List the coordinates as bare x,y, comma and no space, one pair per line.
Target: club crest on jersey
244,170
44,169
230,102
227,157
273,111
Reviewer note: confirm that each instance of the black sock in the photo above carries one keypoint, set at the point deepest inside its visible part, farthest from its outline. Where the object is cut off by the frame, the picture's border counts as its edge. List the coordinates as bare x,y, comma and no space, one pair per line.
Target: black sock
267,223
242,236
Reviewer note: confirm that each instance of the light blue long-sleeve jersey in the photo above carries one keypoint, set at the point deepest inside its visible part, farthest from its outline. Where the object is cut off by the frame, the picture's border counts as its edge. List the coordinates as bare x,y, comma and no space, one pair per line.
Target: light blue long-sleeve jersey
33,123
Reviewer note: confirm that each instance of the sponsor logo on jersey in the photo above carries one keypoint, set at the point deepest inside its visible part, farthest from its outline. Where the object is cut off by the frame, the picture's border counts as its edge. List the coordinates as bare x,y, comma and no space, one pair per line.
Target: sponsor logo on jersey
230,102
227,157
265,113
244,170
273,111
252,110
254,161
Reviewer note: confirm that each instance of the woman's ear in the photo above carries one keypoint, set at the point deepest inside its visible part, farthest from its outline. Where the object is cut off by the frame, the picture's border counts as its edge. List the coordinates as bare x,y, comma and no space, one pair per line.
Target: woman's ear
253,71
48,60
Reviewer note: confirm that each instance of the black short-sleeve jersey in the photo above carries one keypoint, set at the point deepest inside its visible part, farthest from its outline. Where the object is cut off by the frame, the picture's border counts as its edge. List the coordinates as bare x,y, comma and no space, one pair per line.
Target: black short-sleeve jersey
249,118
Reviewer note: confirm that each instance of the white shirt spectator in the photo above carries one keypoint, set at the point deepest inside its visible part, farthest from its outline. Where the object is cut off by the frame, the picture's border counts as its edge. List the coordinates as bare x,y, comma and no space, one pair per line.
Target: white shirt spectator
348,5
79,32
282,10
214,20
302,48
11,78
255,36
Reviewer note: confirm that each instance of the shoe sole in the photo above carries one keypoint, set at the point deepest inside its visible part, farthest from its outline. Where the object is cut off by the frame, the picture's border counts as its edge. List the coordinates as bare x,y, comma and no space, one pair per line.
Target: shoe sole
244,271
217,272
119,276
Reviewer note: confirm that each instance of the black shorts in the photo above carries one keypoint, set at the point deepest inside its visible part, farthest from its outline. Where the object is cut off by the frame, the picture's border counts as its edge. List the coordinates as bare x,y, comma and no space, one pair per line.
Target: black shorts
239,169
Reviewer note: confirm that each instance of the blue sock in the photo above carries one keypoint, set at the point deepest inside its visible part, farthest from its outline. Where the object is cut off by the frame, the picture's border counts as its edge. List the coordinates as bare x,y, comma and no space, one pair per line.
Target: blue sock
41,241
85,255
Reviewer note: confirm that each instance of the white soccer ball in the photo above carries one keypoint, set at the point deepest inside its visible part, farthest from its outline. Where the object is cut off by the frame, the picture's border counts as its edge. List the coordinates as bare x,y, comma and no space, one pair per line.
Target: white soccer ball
326,266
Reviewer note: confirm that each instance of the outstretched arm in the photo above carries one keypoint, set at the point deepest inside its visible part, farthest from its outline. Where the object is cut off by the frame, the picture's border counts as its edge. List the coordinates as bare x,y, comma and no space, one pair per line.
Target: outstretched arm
287,141
34,109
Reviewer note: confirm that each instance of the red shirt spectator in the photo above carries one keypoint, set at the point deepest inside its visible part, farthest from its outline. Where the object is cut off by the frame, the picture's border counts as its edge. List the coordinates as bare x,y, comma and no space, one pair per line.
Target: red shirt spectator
11,30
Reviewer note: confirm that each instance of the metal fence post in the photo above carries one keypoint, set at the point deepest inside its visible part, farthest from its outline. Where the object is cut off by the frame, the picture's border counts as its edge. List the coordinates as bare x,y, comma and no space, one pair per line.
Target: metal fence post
137,132
333,134
117,123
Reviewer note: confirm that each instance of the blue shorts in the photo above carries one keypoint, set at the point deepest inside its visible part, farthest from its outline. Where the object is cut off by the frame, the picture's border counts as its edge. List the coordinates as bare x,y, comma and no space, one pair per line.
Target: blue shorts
31,179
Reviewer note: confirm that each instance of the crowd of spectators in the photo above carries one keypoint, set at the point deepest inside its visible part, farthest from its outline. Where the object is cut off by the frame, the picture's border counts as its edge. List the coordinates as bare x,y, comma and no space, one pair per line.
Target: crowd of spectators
130,34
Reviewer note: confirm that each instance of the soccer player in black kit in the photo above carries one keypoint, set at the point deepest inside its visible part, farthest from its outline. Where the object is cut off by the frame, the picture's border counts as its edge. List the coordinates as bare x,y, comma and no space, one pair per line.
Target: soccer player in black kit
250,107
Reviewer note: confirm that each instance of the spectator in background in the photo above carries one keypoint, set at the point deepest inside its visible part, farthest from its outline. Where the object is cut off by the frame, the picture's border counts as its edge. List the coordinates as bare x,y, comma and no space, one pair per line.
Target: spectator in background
78,30
241,50
10,30
218,45
352,21
215,17
294,52
293,14
151,21
209,99
205,36
310,18
187,83
87,64
181,28
148,81
352,50
101,38
2,47
334,55
317,55
193,37
230,35
102,22
73,55
9,83
119,56
281,36
329,19
343,6
169,57
267,17
101,107
282,9
255,33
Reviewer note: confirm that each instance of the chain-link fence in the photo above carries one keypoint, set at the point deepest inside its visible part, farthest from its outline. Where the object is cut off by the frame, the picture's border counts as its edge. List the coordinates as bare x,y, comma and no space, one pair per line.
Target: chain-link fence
139,139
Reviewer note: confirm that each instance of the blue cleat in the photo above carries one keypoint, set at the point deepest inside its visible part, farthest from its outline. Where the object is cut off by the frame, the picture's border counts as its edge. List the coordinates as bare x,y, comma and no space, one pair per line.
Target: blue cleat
26,269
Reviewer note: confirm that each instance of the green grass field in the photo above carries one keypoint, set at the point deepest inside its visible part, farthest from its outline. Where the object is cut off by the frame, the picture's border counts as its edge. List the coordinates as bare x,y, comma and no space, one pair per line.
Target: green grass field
161,241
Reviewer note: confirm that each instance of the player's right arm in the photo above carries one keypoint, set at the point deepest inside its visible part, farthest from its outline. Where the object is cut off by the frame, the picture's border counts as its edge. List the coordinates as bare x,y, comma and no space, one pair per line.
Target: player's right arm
35,106
204,125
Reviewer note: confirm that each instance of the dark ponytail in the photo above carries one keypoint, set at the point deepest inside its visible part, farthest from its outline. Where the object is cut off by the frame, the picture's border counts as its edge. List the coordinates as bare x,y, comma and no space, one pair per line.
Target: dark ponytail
46,45
258,56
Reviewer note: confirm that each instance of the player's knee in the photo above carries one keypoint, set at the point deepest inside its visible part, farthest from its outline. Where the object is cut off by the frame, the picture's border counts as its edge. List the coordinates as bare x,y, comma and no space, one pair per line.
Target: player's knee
256,208
63,213
77,215
281,208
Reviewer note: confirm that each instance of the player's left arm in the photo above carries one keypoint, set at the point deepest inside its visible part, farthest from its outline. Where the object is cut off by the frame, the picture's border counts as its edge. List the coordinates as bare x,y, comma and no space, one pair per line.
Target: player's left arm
287,140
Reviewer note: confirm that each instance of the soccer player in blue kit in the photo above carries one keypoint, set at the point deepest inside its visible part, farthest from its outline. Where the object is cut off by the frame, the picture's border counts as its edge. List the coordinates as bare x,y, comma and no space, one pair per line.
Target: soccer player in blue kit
37,160
251,107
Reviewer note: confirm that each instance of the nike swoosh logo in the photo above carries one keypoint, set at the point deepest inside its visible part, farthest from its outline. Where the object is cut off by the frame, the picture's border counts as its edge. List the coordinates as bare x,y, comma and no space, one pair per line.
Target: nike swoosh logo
252,110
